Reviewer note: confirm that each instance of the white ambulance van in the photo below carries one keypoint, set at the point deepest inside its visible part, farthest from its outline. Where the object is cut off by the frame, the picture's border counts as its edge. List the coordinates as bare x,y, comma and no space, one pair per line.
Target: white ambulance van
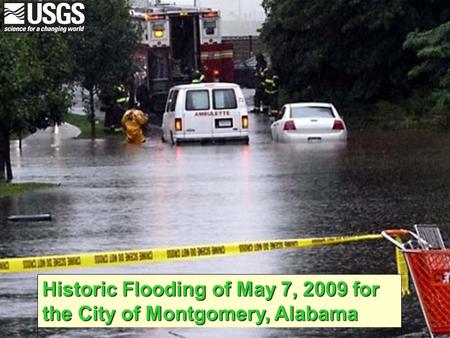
206,111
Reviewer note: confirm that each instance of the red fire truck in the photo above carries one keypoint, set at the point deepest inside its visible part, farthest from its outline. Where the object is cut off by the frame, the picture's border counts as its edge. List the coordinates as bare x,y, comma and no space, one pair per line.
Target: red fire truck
177,40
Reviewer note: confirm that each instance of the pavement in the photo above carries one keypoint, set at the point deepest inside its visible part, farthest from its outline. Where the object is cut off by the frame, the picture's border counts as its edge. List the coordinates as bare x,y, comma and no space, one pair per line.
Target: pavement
54,135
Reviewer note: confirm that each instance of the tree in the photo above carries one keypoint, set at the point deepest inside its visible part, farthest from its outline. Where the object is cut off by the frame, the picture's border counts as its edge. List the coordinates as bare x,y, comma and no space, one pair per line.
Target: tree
33,72
103,53
344,51
433,52
13,76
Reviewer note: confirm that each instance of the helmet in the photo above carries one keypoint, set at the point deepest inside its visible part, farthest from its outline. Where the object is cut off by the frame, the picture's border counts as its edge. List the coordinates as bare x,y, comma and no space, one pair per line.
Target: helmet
259,57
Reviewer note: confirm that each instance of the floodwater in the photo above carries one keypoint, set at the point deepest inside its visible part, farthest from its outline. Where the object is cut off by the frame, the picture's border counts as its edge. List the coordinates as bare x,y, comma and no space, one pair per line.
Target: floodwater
115,196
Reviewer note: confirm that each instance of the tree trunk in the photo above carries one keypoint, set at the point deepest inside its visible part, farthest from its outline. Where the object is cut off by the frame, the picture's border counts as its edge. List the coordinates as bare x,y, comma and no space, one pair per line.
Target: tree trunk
92,112
9,175
2,156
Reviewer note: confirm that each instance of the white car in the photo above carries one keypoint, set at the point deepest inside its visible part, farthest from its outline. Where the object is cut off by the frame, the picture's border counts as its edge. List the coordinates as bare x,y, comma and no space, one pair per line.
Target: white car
309,122
206,111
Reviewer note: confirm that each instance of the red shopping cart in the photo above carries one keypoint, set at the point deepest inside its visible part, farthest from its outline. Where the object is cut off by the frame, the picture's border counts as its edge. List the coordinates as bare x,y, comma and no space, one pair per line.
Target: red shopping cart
429,263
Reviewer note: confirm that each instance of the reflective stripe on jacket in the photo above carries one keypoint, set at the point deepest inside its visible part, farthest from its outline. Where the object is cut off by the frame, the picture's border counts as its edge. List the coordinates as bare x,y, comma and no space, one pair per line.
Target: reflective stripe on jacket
122,95
271,85
199,79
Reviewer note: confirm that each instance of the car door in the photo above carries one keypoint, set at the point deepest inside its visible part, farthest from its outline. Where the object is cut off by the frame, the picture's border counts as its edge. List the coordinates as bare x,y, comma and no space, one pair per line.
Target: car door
169,114
165,121
227,116
197,116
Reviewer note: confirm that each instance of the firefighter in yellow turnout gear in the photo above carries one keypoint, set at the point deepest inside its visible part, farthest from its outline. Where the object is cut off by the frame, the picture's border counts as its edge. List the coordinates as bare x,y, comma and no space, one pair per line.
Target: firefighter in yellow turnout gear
132,122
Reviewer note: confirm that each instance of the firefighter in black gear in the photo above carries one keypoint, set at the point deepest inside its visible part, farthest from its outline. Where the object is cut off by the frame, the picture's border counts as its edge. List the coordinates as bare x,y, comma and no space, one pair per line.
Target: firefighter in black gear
198,76
120,106
107,100
270,91
143,97
261,66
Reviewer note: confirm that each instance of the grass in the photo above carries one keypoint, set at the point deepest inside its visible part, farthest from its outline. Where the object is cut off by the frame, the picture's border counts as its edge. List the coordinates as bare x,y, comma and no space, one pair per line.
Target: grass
11,189
84,125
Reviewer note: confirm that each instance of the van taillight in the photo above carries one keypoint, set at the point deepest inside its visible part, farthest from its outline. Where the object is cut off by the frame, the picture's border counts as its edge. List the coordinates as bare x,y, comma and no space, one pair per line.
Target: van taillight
245,122
289,125
338,125
178,124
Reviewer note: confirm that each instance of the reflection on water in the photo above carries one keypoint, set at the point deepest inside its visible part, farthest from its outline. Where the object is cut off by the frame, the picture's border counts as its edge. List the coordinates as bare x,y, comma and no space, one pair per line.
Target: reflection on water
114,196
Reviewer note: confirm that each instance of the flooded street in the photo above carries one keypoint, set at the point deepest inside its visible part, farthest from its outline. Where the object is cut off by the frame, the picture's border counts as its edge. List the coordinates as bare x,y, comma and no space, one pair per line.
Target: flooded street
114,196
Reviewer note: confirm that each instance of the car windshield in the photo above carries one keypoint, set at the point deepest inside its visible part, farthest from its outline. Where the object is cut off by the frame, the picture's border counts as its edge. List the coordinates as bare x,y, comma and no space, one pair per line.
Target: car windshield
314,112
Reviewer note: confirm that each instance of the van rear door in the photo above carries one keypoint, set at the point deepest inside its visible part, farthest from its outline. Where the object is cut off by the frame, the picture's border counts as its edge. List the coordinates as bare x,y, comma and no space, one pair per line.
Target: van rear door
227,115
197,117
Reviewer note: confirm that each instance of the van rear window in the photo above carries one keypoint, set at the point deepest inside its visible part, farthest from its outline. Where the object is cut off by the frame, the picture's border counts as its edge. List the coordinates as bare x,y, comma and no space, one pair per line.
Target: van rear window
224,99
197,100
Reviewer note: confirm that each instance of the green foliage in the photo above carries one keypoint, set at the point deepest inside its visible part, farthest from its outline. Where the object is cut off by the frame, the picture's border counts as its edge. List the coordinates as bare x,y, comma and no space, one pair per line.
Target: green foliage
33,68
14,76
346,52
433,51
409,113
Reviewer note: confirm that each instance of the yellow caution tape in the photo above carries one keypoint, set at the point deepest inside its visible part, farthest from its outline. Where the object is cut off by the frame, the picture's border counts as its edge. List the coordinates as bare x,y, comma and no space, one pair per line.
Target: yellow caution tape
402,269
129,257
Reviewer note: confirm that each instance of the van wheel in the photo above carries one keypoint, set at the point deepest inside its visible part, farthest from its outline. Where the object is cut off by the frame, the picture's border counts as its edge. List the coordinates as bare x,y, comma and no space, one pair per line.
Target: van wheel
163,140
172,141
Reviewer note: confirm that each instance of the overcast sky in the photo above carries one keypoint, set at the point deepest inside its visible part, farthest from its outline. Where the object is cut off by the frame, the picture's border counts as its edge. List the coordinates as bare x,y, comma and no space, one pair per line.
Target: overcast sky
233,9
239,17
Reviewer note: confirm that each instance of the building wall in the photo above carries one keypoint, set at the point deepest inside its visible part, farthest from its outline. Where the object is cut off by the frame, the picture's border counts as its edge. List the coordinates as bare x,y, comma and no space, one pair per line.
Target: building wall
244,46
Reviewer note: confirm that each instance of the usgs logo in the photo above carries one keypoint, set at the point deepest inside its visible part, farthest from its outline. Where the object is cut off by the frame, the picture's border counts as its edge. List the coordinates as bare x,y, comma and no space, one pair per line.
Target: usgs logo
33,13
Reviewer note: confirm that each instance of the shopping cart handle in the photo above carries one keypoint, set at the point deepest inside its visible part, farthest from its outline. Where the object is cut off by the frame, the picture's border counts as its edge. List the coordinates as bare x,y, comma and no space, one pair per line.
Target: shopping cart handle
394,235
391,234
397,232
